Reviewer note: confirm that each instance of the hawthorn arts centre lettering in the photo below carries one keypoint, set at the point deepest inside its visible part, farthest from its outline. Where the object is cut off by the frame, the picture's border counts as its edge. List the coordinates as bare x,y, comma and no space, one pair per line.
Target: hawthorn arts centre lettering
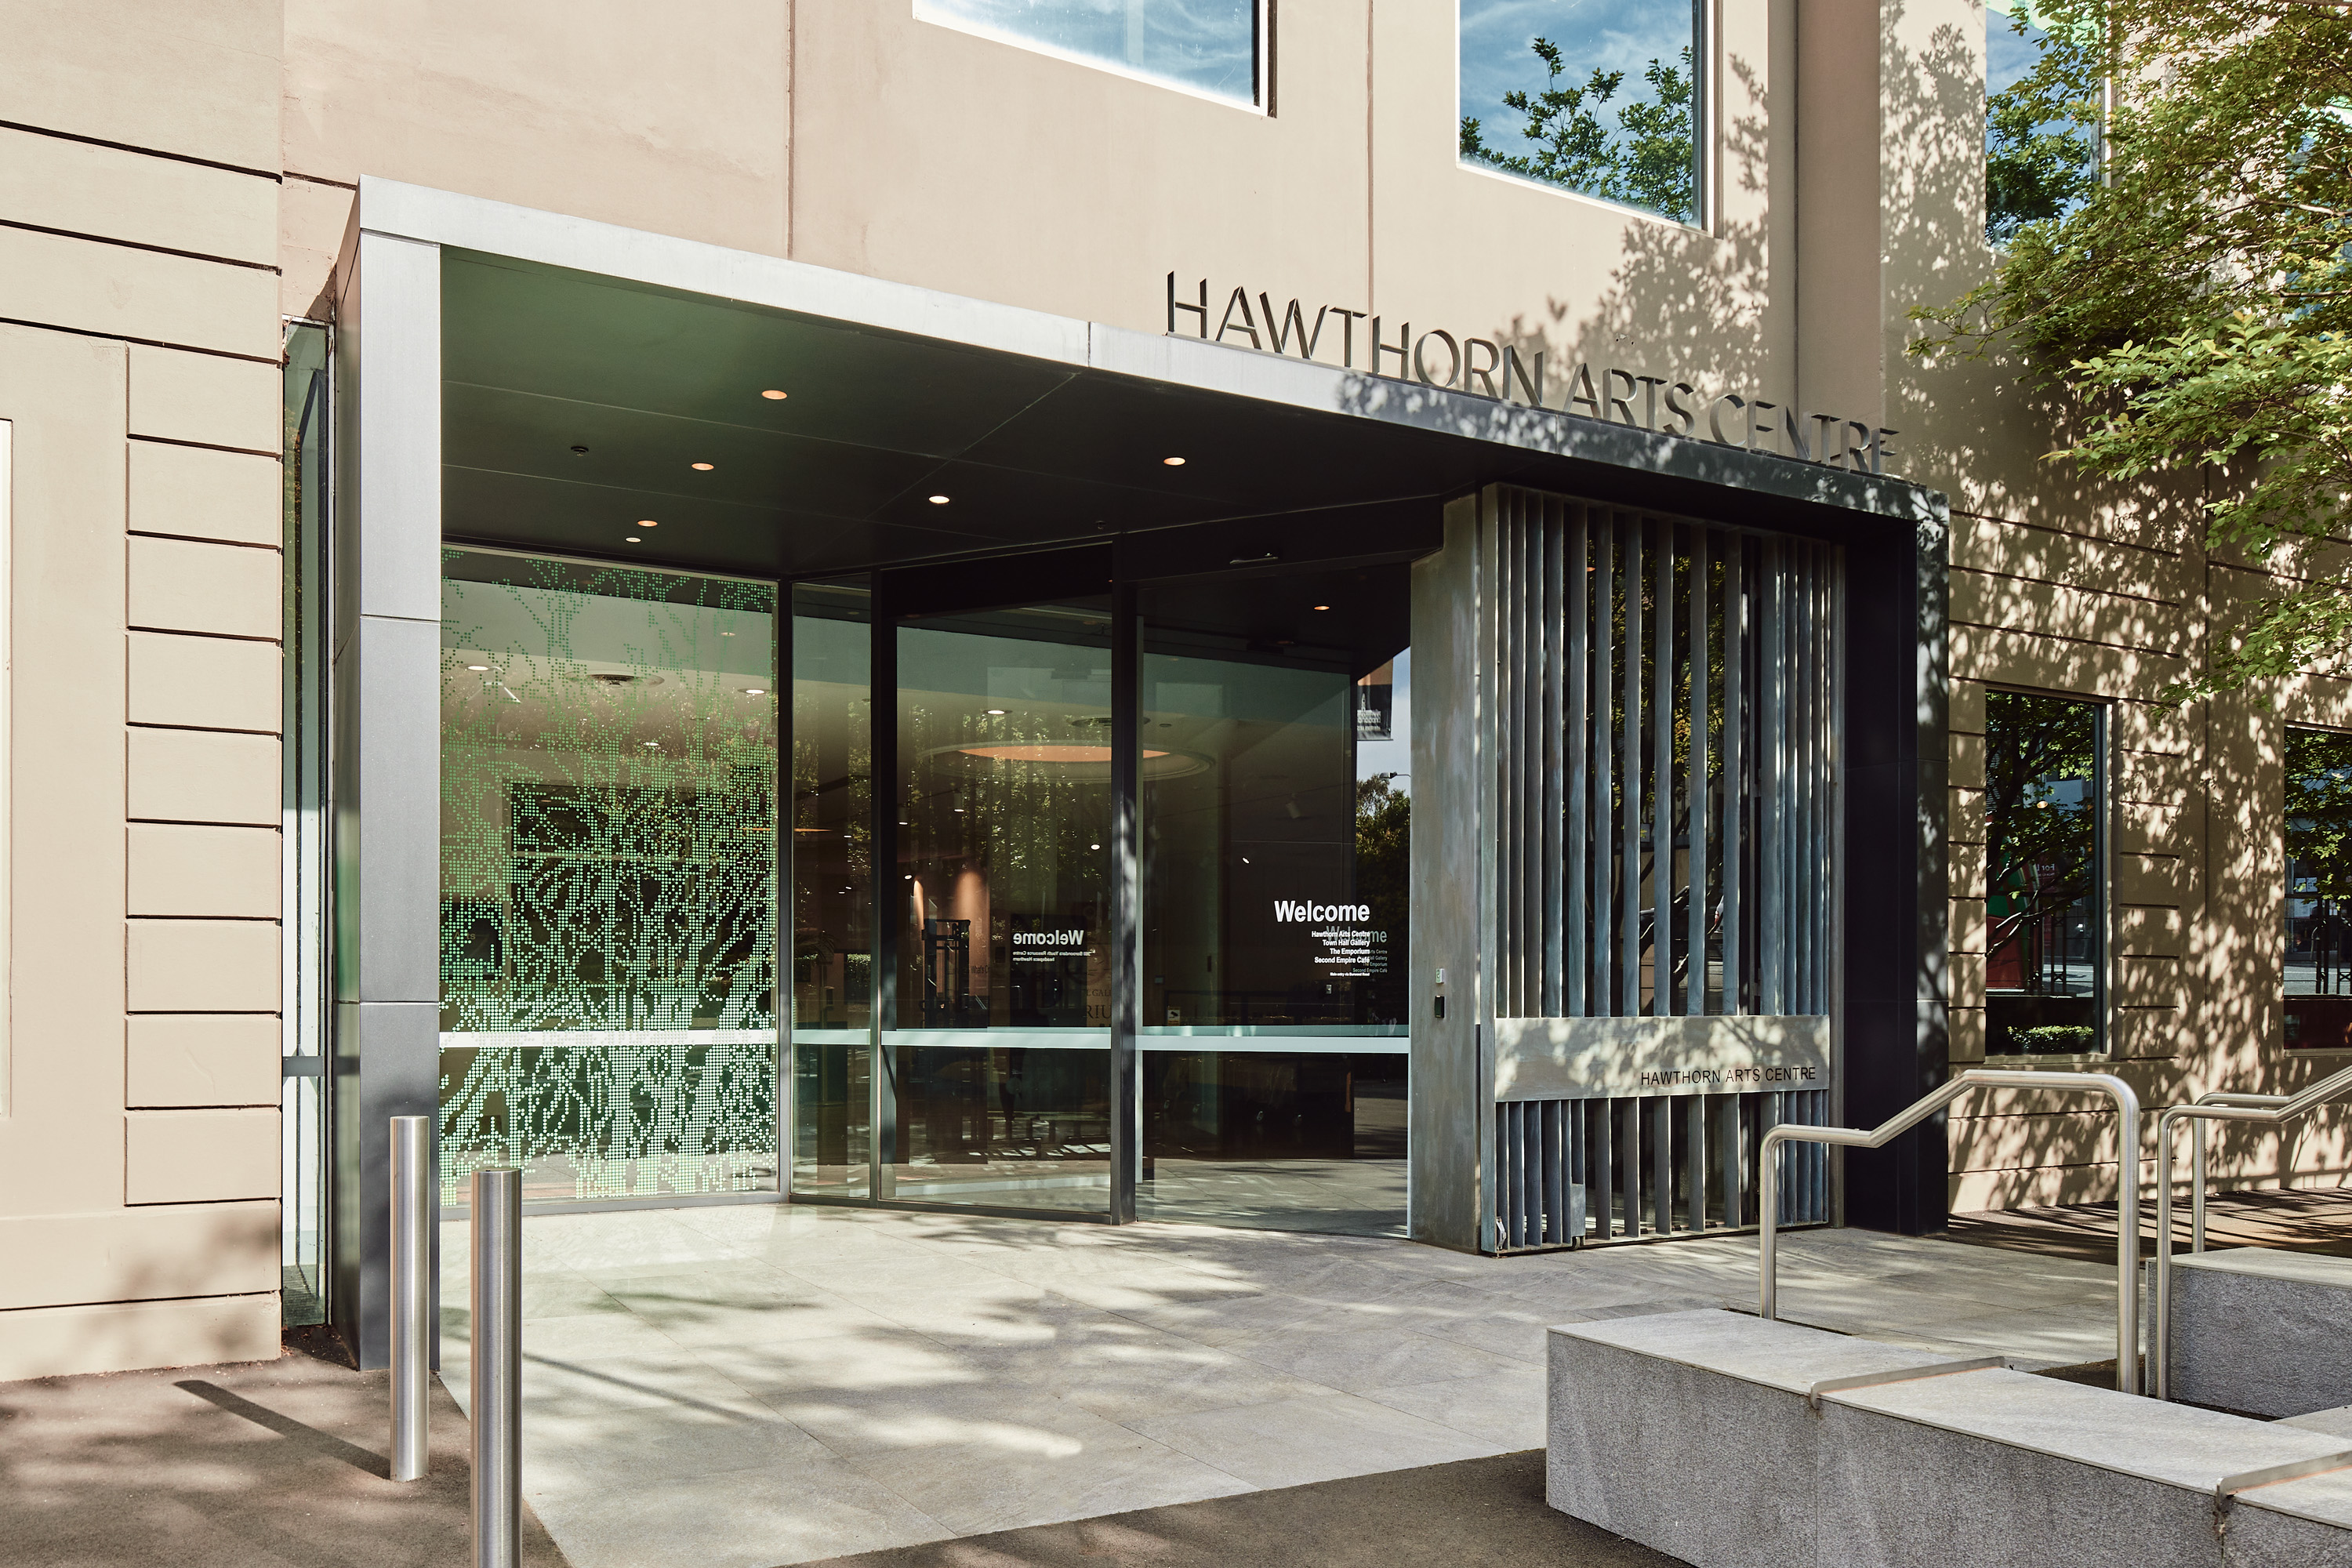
1482,368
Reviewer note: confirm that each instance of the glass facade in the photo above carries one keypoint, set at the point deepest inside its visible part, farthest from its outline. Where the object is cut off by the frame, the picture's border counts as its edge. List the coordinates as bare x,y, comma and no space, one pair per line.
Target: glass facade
608,877
1208,47
2318,903
303,822
998,1046
1603,100
1275,810
1273,794
2045,906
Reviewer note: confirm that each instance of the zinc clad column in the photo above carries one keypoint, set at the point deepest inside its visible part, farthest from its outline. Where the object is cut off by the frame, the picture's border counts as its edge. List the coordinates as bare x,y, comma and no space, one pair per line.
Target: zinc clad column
387,751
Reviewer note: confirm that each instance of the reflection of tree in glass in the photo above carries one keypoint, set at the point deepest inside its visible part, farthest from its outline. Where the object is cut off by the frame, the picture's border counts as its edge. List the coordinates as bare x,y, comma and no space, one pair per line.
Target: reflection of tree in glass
2040,136
2319,841
1647,159
2040,844
1383,827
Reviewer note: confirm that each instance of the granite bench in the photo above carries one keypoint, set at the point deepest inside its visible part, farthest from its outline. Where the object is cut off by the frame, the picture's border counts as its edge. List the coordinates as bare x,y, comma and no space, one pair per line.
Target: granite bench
1728,1440
2266,1332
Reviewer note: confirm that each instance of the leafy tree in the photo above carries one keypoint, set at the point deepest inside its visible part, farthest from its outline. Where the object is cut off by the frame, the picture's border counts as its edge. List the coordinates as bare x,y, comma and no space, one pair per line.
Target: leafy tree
2040,165
2195,305
1383,833
1647,159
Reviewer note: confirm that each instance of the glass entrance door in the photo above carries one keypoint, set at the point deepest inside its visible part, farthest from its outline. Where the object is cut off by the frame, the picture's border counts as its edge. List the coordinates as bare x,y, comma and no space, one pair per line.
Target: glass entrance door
997,1051
957,995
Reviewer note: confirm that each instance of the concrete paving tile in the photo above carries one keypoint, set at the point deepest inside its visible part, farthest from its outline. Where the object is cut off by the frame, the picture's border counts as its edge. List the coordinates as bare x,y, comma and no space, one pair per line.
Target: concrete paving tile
981,1488
1503,1408
578,1451
737,1518
1374,1358
1295,1441
997,1414
892,1358
1138,1372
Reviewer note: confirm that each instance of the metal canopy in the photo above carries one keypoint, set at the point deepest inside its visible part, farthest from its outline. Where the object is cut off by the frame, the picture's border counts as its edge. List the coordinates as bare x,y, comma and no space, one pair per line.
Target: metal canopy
539,361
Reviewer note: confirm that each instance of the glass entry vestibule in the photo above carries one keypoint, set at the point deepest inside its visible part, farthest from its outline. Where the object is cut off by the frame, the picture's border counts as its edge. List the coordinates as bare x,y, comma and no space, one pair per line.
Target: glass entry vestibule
1245,1064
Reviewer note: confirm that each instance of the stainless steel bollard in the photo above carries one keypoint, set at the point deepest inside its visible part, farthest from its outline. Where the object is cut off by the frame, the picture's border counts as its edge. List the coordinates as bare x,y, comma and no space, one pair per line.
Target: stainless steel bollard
412,1218
498,1367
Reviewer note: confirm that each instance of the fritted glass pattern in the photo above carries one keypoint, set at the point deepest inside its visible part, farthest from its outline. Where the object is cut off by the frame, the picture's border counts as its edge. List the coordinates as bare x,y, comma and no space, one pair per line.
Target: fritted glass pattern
1275,816
1209,47
2044,903
607,878
1599,96
2318,901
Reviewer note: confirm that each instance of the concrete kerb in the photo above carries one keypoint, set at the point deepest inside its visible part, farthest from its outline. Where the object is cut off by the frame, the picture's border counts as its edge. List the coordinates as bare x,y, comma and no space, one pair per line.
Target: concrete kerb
1725,1439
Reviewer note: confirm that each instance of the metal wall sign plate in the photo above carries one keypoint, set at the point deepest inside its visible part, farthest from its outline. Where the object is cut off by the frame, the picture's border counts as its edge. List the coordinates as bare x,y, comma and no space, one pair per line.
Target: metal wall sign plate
1586,1058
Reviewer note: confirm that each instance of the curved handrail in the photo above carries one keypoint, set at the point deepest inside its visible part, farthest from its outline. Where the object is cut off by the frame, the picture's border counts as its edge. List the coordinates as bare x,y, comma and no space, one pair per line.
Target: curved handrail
2127,1181
2219,1105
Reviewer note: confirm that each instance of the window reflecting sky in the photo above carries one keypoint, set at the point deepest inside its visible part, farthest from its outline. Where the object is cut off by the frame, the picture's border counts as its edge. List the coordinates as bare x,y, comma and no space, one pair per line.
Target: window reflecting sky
1607,34
1210,46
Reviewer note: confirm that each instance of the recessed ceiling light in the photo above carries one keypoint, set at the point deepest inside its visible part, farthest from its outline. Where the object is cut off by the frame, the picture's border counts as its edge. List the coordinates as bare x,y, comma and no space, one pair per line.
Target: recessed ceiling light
1173,462
772,395
479,668
993,712
647,523
702,467
755,691
579,451
1094,846
655,744
632,539
939,500
1322,607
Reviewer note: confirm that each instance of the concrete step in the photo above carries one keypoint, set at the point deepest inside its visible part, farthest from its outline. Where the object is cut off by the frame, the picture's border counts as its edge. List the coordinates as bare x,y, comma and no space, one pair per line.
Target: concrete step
2266,1332
1725,1440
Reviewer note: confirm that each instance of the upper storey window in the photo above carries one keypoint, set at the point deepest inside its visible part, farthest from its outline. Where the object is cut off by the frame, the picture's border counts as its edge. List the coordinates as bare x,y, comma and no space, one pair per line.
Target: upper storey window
1601,98
1212,48
2042,119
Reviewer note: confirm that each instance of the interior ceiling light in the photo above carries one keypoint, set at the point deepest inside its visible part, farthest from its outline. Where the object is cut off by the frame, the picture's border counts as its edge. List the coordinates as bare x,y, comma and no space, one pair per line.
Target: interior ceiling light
939,500
1094,846
772,395
1173,462
993,712
1049,752
579,451
1322,607
755,691
654,744
702,467
479,668
632,539
647,523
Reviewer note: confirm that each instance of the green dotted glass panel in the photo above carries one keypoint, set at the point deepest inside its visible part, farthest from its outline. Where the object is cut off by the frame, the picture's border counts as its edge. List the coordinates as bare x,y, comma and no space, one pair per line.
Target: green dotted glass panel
608,878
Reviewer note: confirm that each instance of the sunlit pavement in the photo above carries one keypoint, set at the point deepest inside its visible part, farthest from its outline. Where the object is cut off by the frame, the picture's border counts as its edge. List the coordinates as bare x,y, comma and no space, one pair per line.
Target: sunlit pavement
770,1384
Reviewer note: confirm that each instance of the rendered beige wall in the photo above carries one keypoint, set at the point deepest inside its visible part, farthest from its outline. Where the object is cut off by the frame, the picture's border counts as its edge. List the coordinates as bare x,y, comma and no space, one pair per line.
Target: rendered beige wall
139,1148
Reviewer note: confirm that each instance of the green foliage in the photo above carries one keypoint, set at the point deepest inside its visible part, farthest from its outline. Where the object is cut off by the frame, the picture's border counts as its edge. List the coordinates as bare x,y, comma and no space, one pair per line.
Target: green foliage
2056,1039
1647,159
2196,307
2042,137
2040,848
2319,811
1383,834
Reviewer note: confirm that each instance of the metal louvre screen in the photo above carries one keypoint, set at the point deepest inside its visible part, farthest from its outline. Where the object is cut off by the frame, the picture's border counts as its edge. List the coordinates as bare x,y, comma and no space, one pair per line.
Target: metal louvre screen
1665,740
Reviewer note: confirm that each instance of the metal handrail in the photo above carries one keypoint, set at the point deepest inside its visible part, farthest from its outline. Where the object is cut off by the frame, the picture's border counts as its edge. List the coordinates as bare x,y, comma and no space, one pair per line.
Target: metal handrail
2128,1182
2219,1105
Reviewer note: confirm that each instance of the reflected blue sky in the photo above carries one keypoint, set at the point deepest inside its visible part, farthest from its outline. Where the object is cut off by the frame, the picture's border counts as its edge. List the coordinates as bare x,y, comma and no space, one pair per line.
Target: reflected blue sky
1210,46
1610,35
